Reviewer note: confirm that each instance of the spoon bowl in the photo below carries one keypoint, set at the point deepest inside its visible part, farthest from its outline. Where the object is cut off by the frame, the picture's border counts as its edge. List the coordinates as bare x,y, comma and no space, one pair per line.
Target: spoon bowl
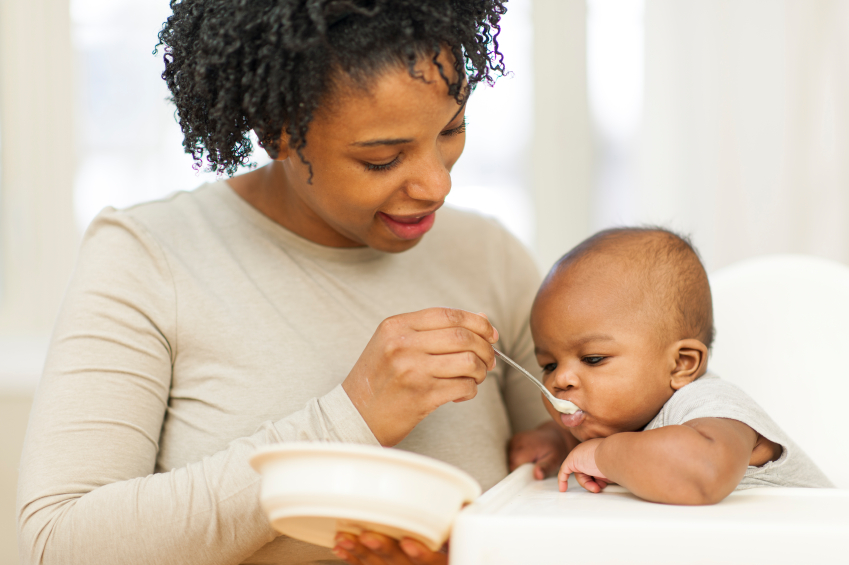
562,406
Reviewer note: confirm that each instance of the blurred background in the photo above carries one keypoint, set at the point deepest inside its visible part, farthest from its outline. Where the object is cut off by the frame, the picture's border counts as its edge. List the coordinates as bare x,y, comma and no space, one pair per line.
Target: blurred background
727,120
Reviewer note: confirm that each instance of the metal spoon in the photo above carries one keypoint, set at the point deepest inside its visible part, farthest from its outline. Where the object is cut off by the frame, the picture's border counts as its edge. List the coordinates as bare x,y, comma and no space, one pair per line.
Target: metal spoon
563,406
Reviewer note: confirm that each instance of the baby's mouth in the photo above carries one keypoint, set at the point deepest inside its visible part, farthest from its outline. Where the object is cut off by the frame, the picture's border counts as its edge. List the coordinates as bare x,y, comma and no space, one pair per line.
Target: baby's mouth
573,420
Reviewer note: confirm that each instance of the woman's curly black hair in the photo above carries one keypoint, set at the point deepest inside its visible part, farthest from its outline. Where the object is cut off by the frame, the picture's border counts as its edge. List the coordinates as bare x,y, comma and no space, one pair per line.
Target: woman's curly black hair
233,66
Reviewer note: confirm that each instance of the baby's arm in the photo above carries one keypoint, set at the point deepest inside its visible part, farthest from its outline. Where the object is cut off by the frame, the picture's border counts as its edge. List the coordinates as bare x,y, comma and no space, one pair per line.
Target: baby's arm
699,462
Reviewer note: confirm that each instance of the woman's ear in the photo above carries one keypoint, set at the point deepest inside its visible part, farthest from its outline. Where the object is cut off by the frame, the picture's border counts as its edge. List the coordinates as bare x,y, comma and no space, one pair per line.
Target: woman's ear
282,147
690,362
282,151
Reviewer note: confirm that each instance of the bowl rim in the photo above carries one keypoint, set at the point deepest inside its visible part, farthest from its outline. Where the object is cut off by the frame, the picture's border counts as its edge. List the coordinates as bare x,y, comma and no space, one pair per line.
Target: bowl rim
471,489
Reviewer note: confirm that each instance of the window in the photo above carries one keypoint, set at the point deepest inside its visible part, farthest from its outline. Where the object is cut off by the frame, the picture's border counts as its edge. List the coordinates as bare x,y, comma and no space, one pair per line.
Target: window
492,176
129,144
615,65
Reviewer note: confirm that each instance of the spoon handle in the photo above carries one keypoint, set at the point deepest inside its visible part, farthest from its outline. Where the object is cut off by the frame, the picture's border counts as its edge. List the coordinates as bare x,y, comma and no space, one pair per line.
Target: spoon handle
522,370
563,406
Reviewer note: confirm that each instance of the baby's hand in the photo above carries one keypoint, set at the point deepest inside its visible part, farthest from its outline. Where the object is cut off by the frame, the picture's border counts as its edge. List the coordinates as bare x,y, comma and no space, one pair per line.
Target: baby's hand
581,461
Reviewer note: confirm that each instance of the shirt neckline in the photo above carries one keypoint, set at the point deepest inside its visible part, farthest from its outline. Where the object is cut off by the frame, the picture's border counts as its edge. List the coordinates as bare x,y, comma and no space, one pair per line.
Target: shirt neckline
288,238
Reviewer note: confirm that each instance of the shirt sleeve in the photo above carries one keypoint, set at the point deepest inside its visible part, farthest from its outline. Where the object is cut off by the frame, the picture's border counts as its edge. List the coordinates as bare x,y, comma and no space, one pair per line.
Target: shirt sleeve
711,397
521,275
88,492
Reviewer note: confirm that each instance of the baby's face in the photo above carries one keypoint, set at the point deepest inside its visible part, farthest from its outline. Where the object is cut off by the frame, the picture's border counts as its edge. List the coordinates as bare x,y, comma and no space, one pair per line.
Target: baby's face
601,350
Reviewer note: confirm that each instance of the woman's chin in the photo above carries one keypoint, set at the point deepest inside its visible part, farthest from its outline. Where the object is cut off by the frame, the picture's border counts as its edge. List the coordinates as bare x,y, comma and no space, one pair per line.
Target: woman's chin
387,245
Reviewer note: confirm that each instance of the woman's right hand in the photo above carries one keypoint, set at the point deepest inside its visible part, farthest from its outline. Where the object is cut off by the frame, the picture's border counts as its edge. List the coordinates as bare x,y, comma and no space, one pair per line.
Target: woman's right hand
415,363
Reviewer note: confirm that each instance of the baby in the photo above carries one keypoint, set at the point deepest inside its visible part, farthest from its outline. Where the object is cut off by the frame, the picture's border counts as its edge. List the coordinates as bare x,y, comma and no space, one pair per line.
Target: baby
622,326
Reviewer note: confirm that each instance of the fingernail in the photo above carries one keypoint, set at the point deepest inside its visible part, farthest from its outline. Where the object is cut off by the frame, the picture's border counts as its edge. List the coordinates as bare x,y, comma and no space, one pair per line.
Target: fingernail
369,542
494,334
338,552
411,549
346,543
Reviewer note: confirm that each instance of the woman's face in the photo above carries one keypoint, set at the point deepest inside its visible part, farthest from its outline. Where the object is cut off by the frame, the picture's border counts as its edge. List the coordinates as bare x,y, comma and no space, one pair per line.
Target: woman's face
381,162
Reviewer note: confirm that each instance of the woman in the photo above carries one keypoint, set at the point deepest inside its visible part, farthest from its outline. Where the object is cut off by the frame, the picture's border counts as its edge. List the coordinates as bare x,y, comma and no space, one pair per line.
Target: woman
317,298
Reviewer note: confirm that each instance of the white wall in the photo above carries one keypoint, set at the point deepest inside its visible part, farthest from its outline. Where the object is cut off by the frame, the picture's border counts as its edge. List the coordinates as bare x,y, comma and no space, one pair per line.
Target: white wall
746,128
38,239
562,155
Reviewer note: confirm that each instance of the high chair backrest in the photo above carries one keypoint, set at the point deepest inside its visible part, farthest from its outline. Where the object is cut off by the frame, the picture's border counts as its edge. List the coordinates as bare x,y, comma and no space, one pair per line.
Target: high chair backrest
782,330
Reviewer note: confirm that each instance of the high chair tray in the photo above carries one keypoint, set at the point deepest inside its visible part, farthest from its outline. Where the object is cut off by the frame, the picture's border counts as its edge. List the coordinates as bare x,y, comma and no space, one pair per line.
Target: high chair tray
521,521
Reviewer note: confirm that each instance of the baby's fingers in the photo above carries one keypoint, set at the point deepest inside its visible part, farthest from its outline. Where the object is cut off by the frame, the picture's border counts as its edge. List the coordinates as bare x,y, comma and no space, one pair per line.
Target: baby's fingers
563,478
588,482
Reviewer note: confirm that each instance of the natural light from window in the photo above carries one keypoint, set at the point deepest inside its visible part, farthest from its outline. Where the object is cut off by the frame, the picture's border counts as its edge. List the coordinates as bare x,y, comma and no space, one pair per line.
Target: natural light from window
615,66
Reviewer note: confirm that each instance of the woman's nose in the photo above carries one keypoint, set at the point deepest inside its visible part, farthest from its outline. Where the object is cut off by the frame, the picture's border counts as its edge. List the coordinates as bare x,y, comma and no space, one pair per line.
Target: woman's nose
431,180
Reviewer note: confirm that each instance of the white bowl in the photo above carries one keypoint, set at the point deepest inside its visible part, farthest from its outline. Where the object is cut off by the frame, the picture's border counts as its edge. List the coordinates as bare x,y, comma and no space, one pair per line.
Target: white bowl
311,491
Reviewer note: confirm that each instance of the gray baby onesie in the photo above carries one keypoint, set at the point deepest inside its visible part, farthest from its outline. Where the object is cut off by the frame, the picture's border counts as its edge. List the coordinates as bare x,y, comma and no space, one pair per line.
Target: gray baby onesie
711,397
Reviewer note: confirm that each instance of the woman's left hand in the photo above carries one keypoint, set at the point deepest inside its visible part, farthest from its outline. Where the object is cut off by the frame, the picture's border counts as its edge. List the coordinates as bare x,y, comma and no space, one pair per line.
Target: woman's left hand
371,548
546,447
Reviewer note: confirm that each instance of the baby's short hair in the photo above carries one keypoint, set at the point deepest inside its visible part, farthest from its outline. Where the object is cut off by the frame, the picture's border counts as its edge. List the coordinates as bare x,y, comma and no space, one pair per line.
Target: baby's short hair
669,272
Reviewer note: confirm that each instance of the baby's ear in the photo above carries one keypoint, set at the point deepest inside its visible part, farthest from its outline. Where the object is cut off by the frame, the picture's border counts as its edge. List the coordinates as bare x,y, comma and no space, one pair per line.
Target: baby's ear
690,362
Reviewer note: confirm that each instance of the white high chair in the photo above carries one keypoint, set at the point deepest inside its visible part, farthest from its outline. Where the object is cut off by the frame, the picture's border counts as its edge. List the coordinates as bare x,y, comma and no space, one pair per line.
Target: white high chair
782,328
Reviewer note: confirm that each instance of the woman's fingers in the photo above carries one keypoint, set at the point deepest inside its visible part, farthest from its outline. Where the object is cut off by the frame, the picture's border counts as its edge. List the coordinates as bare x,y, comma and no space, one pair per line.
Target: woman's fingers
459,389
450,365
346,557
440,318
455,340
420,555
354,551
415,363
375,549
384,548
345,547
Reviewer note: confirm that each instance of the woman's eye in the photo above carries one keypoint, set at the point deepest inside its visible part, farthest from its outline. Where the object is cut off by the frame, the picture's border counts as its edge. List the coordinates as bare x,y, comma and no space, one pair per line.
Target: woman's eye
455,131
384,167
593,359
549,368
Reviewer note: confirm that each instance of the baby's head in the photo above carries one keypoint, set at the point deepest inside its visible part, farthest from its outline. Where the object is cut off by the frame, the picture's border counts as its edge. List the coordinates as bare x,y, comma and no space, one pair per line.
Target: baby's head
620,323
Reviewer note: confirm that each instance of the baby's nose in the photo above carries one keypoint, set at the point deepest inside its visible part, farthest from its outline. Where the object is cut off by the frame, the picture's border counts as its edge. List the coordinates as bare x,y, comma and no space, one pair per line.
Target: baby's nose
564,380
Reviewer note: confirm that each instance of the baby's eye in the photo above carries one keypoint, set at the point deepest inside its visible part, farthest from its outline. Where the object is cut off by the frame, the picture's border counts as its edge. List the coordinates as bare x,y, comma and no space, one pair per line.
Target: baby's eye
593,359
549,368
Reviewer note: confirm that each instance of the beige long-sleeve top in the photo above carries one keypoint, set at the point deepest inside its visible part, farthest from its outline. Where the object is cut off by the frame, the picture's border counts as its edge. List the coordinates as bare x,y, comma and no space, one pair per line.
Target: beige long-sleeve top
196,330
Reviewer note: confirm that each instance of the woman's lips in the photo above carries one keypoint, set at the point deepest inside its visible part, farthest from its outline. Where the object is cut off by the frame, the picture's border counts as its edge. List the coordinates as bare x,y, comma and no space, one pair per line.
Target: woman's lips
573,420
408,227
